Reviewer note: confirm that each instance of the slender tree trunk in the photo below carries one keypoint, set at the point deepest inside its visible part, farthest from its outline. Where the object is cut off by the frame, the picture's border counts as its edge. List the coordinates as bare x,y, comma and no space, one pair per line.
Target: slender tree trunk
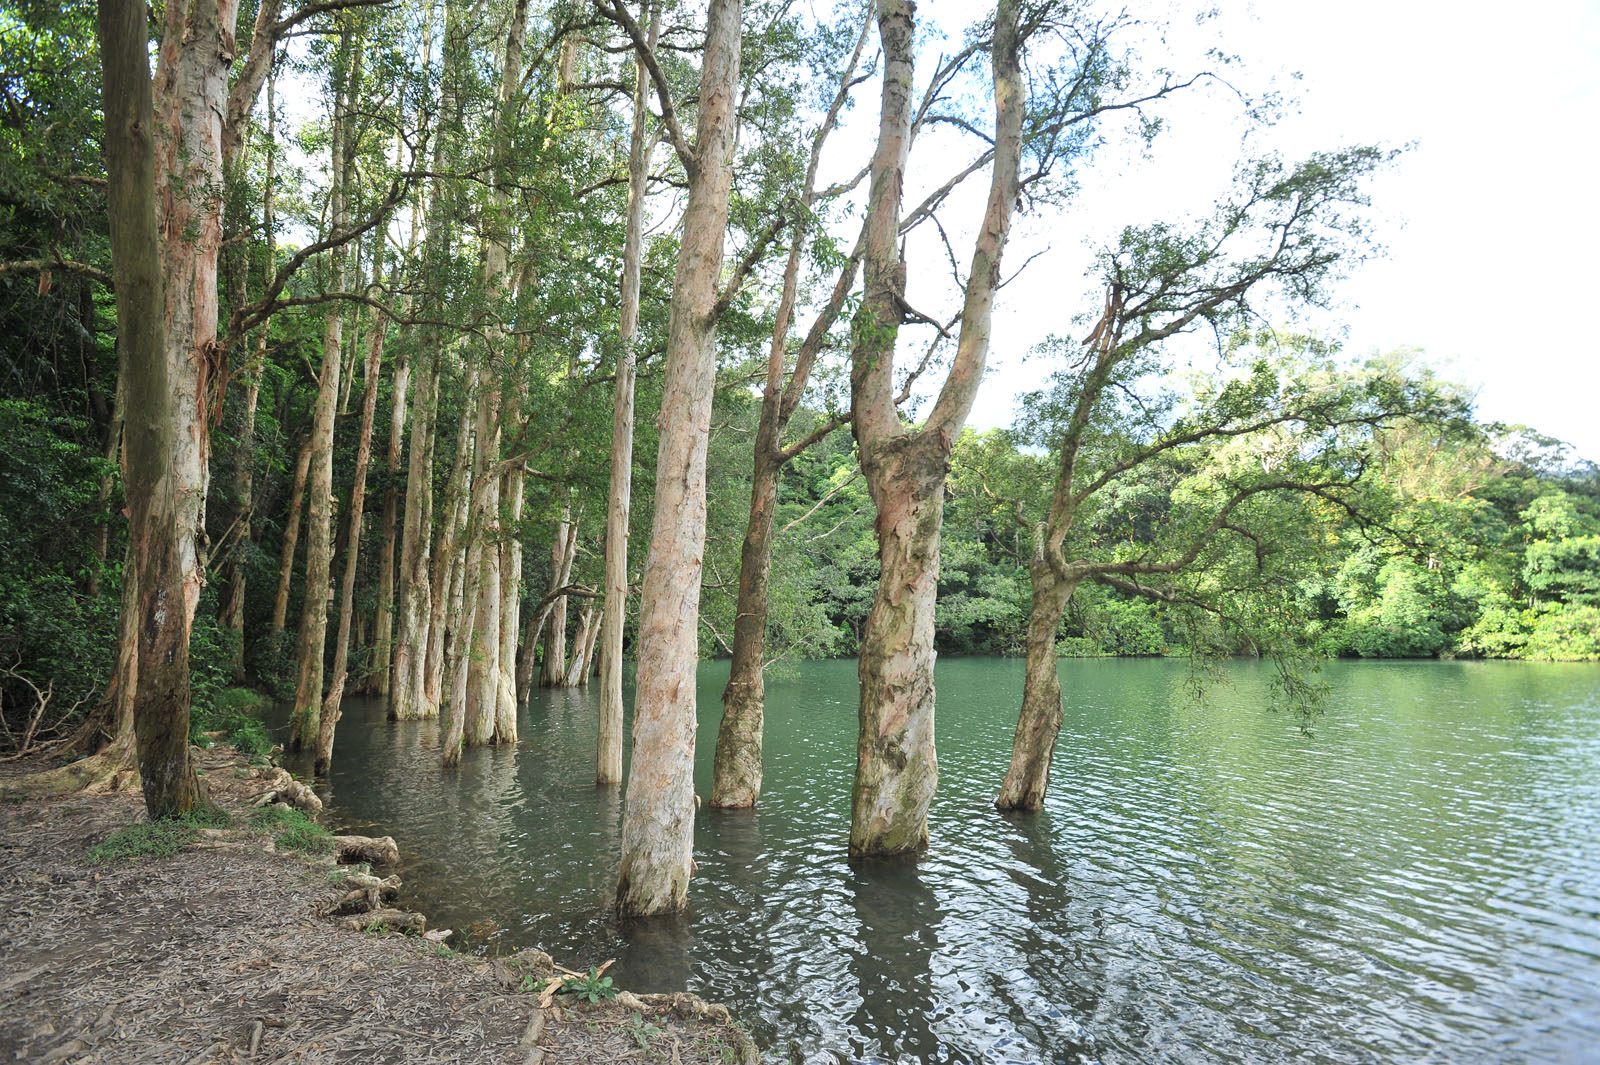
658,822
1033,746
383,617
332,705
505,727
896,764
563,552
608,754
232,613
736,778
483,598
449,562
291,536
305,724
159,669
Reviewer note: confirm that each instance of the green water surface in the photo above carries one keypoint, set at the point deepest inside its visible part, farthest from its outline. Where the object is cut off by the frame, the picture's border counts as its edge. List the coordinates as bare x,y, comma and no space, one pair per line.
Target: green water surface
1416,880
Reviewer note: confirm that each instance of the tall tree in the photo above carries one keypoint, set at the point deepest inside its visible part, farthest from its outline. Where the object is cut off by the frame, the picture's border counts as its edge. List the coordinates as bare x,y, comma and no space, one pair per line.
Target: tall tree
305,723
160,671
1284,232
896,768
608,754
736,779
658,821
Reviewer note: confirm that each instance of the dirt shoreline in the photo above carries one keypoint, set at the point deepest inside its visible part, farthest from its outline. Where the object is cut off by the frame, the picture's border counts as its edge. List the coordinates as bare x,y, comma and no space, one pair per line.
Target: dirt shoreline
223,953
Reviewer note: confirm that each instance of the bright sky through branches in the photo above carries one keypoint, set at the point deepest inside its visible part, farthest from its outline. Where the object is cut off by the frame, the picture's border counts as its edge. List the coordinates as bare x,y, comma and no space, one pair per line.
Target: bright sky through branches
1490,221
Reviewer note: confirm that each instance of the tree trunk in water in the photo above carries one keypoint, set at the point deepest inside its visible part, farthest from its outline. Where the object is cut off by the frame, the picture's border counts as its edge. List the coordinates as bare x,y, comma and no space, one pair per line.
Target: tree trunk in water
449,561
619,502
483,597
582,644
332,707
1033,746
411,631
563,550
736,778
158,672
505,726
383,617
658,821
897,767
291,537
305,723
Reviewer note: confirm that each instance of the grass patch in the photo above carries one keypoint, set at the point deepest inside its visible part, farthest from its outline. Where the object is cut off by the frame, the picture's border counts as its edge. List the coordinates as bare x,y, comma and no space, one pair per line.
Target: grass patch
157,839
294,831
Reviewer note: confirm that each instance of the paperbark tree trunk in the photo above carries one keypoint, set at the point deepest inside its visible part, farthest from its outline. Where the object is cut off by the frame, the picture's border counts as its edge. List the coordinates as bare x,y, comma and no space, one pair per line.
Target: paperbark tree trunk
305,722
1033,745
736,777
658,821
563,550
232,611
191,97
159,677
332,704
383,617
291,536
619,501
896,763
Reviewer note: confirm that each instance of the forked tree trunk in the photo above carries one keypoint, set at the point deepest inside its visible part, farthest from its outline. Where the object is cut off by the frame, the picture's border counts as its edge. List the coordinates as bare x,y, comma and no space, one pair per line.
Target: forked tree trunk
896,766
619,501
1034,743
291,536
159,671
658,821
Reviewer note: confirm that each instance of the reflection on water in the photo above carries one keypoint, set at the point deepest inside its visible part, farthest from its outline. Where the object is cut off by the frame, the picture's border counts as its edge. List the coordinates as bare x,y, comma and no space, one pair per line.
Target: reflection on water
1417,880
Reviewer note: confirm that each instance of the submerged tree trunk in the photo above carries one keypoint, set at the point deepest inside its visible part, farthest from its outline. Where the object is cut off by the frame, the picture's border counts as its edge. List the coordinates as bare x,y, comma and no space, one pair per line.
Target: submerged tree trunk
736,777
619,501
332,705
563,550
1033,746
658,822
897,767
383,615
158,672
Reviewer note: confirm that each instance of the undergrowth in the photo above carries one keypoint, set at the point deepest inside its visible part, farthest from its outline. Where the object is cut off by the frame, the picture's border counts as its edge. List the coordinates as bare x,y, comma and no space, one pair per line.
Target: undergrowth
156,839
232,713
292,830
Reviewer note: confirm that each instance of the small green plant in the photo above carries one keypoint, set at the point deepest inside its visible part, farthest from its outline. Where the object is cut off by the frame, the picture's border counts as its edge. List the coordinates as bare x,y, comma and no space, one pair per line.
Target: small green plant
592,986
641,1030
294,831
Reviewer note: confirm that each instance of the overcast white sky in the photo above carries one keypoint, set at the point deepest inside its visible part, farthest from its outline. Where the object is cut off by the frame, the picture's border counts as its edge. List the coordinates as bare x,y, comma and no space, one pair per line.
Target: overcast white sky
1492,221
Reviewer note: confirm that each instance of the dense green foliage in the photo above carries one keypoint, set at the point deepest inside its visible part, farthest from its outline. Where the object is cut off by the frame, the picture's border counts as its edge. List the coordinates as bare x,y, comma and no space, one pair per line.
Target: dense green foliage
1463,539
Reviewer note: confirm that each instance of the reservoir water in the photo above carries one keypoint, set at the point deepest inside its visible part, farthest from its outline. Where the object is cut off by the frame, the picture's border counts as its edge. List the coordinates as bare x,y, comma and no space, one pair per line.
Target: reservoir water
1416,879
